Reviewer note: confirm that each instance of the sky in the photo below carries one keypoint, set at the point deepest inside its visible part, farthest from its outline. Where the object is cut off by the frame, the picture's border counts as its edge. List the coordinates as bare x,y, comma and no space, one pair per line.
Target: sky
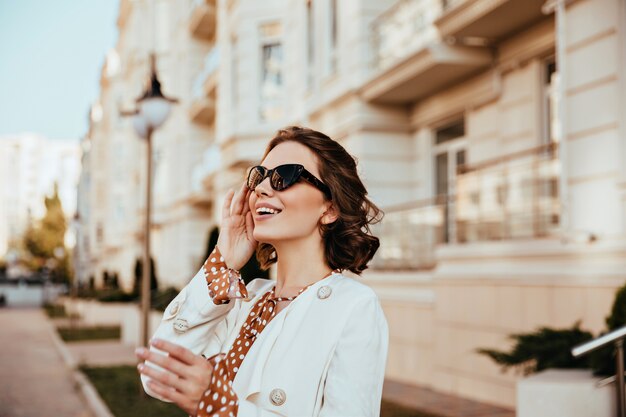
51,53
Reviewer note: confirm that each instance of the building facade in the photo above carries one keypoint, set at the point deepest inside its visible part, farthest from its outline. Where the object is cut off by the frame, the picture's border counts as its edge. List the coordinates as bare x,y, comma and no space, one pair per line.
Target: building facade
492,133
489,134
114,190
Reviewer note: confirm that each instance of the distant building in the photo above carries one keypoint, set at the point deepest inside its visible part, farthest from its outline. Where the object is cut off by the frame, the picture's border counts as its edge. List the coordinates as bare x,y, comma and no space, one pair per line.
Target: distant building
112,192
30,165
492,136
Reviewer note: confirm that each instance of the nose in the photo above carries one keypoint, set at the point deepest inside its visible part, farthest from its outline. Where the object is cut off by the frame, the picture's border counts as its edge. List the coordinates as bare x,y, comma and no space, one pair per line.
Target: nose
264,188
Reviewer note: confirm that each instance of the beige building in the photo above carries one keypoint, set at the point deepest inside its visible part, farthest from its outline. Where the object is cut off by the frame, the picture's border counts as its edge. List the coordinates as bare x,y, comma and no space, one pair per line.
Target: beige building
491,133
113,191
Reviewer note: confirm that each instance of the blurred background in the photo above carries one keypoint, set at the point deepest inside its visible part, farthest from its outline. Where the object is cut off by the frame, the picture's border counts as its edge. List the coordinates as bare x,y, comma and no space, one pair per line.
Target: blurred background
491,132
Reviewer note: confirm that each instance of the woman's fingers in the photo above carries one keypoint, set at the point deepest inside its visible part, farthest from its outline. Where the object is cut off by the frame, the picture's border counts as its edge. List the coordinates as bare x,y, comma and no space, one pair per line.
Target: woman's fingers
172,395
177,351
246,203
250,227
239,200
172,364
227,200
164,378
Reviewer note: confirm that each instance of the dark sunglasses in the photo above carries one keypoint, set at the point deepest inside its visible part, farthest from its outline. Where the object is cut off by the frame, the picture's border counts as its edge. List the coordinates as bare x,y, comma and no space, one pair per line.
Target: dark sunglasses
283,177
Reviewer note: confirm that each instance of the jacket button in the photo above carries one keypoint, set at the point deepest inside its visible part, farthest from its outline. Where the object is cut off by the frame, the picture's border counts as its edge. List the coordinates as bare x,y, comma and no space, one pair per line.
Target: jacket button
324,292
278,396
175,308
180,325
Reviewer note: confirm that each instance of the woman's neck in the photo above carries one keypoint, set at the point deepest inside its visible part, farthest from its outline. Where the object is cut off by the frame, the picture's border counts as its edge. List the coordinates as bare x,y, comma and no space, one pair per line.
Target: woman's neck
299,264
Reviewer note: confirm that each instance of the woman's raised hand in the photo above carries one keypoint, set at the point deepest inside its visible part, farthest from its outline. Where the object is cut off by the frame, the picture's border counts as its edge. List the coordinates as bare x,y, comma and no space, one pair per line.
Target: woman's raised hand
235,242
185,376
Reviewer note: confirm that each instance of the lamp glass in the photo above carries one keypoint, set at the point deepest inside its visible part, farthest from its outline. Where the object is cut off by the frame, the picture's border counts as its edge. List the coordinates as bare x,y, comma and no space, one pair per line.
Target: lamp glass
155,110
140,124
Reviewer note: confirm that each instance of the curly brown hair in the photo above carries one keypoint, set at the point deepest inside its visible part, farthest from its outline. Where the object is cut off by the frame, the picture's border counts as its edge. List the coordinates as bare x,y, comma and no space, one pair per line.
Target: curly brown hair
348,241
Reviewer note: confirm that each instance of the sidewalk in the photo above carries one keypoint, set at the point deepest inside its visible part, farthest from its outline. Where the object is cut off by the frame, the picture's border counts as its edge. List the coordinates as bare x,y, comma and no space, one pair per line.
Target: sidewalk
438,404
34,380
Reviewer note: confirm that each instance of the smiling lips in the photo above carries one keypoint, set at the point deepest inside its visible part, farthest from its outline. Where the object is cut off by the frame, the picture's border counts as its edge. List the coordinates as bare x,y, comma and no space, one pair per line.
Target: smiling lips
265,211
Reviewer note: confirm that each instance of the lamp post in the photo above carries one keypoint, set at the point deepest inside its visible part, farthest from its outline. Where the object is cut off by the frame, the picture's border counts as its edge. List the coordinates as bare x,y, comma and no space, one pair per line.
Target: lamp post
153,108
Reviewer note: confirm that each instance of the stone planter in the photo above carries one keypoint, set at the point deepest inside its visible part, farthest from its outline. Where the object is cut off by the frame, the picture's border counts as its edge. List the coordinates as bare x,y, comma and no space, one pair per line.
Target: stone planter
131,331
96,313
564,393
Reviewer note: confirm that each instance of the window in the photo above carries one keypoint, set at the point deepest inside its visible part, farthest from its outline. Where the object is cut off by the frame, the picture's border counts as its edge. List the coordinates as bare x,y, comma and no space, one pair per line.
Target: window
550,103
450,155
450,131
99,233
271,91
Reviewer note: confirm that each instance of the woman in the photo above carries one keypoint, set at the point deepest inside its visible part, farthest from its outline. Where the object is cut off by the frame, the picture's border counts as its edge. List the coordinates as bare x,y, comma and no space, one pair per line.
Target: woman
314,341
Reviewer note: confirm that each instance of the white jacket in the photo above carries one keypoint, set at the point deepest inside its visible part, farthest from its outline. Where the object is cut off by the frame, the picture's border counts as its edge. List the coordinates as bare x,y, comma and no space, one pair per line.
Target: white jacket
323,355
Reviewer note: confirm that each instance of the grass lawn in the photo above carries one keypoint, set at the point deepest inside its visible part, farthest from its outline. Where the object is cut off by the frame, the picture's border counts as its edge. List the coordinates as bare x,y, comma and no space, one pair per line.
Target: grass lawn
55,311
119,388
89,333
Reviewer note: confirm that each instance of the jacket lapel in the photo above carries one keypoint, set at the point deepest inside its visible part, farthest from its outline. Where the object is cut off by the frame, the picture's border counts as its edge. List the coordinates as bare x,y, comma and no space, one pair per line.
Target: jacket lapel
249,376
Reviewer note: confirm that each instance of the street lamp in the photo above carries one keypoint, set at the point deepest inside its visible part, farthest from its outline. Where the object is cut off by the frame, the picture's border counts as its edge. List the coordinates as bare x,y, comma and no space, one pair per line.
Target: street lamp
153,108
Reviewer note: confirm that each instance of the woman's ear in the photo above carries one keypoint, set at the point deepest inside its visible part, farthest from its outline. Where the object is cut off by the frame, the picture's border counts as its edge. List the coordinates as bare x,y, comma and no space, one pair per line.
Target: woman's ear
330,215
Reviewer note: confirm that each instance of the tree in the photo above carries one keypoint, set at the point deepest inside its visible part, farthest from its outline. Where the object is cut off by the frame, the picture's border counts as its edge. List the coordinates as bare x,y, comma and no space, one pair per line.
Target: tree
44,240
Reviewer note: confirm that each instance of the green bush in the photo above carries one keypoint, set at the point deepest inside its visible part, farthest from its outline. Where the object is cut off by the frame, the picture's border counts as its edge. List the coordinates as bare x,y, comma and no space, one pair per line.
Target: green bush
617,318
551,348
70,334
86,292
545,348
55,310
115,296
603,360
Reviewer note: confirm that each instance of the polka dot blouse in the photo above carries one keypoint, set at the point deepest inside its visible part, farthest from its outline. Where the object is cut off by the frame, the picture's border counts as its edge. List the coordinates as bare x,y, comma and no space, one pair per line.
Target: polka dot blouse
220,400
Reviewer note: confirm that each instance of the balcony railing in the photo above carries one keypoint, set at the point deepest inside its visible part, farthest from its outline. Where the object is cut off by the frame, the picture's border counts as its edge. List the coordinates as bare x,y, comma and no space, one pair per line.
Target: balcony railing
209,70
409,235
202,20
403,29
202,108
514,196
488,19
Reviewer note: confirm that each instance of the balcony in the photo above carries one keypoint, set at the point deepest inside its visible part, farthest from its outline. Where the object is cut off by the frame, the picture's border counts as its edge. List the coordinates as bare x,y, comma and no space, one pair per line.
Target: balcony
202,192
513,197
409,236
202,21
489,19
411,61
202,110
201,199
